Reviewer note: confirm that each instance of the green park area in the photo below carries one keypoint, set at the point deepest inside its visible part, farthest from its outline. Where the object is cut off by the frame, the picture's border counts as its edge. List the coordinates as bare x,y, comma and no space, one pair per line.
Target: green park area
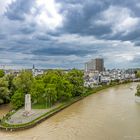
50,93
52,87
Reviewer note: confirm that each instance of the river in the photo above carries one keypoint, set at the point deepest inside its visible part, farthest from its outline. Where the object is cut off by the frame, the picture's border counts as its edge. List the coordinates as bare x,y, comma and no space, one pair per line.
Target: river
111,114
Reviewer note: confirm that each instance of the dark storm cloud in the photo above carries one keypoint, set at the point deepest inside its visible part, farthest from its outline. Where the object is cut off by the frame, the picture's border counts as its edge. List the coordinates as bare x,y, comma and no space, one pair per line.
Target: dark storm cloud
133,36
63,51
27,29
18,9
2,36
81,17
137,43
43,37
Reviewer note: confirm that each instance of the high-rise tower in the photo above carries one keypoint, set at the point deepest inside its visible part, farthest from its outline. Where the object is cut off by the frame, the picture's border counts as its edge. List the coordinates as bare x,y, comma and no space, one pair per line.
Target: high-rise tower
95,65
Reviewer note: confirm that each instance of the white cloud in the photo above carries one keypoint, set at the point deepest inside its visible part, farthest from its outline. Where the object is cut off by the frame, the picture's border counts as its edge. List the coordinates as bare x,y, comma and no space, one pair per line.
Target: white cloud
4,4
121,19
46,14
125,56
89,40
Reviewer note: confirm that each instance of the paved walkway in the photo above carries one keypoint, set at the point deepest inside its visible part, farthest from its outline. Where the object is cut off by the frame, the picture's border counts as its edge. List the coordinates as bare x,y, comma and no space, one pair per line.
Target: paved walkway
20,118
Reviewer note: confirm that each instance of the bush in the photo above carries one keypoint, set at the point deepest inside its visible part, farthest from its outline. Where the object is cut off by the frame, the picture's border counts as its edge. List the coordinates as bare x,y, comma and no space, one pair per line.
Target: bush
138,91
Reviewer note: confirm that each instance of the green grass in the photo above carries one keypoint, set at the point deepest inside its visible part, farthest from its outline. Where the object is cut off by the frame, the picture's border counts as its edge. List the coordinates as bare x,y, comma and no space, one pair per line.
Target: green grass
39,106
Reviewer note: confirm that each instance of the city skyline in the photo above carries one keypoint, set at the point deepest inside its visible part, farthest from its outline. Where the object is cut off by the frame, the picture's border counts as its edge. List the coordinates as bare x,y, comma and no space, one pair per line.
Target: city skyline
67,33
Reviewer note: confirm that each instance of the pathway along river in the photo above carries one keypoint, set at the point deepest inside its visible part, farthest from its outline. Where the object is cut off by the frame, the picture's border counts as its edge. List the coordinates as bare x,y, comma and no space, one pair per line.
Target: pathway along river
110,115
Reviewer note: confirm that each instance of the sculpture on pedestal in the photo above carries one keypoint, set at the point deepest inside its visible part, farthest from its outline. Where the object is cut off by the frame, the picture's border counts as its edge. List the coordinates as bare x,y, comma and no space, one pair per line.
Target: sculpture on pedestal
27,109
27,103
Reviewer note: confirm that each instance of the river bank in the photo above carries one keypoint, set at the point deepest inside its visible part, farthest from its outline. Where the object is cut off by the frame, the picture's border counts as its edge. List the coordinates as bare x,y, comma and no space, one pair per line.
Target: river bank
4,109
15,127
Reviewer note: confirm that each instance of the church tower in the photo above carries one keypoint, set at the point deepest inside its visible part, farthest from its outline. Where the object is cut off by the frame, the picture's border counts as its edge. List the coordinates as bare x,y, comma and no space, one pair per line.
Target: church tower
33,70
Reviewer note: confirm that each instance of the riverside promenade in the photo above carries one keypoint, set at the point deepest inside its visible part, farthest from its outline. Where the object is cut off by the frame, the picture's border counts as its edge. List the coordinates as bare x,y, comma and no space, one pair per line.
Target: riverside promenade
19,118
17,121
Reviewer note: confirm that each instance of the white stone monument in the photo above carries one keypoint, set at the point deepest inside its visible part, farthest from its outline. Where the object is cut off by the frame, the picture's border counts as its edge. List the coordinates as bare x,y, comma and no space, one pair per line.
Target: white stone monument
28,103
27,111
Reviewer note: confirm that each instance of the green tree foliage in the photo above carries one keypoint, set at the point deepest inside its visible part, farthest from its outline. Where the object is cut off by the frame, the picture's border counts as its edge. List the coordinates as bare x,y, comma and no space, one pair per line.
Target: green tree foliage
22,84
2,73
53,77
138,74
17,99
23,81
4,91
50,94
62,85
11,86
37,91
52,87
75,77
138,91
65,90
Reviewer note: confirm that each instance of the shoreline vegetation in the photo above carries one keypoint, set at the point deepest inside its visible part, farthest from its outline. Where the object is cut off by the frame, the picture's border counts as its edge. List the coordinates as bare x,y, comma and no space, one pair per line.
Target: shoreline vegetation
8,127
137,95
54,86
138,91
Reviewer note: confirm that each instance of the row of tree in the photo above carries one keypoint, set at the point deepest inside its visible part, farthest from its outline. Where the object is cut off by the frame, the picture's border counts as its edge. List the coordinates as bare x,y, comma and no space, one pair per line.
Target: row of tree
49,88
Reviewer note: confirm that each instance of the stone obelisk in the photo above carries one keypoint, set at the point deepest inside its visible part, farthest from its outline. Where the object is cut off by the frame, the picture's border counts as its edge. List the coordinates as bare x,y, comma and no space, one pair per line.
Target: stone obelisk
27,109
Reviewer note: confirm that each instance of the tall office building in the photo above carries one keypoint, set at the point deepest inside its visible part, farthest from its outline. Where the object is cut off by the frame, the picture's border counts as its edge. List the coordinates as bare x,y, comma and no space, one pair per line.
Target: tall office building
95,65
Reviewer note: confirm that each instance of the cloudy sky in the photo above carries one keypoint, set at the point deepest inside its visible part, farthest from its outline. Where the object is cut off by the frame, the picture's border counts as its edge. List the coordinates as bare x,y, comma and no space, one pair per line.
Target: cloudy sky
67,33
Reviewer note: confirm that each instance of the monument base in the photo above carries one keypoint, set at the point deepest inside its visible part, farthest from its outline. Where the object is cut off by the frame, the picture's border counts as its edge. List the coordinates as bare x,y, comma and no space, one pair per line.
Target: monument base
27,113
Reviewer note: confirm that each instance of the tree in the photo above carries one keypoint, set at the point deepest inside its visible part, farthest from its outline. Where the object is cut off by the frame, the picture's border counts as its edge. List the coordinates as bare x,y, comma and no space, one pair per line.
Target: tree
53,86
66,89
2,73
138,74
53,77
22,85
37,91
62,86
17,99
23,81
11,86
50,94
75,77
4,92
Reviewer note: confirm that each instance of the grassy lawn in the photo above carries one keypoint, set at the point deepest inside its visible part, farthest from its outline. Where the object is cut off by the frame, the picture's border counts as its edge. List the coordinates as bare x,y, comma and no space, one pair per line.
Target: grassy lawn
39,106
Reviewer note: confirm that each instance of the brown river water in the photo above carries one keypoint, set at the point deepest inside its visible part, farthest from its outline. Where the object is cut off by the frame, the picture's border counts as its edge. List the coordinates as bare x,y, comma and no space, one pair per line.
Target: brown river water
111,114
